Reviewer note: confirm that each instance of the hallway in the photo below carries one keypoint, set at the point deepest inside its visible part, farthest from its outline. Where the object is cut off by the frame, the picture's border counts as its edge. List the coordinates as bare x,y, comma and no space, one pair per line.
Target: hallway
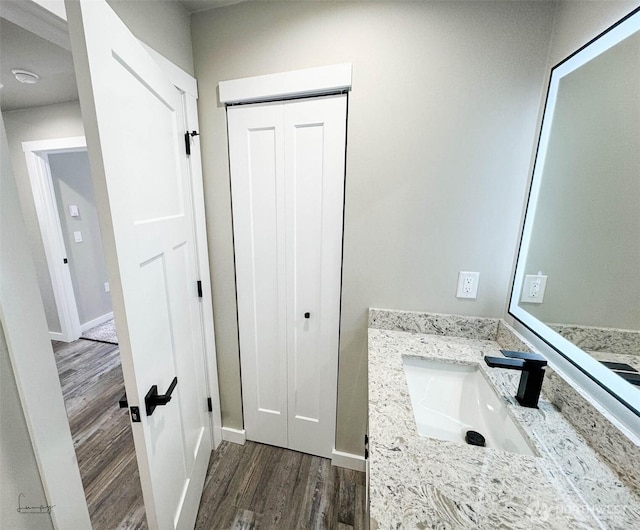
92,384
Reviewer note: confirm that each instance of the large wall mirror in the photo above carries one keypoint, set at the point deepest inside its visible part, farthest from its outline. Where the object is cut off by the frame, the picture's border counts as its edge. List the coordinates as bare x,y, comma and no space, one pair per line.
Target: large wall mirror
577,278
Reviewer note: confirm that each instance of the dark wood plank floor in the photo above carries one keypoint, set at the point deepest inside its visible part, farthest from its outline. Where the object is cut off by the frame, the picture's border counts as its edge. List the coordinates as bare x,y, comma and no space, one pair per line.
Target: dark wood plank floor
251,486
91,379
257,486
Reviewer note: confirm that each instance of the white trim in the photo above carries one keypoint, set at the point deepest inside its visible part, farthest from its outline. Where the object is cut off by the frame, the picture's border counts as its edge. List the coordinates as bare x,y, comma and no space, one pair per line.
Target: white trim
54,335
47,19
37,159
236,436
348,460
311,81
96,321
180,79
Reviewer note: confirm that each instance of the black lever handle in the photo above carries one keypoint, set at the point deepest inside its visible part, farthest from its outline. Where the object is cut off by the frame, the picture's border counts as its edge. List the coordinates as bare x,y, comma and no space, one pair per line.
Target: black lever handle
153,399
530,358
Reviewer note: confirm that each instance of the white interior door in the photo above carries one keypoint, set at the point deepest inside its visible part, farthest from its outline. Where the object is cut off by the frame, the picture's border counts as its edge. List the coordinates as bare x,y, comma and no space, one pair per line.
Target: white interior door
287,178
134,126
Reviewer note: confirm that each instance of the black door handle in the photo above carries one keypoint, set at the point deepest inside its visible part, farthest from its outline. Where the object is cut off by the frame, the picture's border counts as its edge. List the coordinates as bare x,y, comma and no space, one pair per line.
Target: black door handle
307,315
153,399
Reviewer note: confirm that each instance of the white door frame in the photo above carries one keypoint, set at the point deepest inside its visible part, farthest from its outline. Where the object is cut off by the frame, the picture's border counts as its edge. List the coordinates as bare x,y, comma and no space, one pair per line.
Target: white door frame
59,474
33,362
44,198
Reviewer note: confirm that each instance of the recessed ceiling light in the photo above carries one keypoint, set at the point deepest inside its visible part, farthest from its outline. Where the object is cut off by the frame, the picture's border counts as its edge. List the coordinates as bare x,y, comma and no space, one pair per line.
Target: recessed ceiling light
28,78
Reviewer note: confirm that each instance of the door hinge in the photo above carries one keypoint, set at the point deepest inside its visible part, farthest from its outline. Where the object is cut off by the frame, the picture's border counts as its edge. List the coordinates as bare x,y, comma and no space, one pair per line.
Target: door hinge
199,285
209,404
366,447
187,140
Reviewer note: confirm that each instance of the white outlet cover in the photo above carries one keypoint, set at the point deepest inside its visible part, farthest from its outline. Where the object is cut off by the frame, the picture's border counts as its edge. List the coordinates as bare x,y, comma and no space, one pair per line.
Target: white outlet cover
73,210
533,288
468,285
77,237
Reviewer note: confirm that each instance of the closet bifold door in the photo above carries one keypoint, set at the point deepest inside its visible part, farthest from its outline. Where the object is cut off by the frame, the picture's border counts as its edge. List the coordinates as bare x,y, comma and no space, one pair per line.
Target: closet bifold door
256,155
287,164
314,175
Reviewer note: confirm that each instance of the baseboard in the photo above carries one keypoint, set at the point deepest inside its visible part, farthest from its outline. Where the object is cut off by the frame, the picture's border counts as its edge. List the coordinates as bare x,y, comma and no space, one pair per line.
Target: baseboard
234,435
55,335
348,460
96,322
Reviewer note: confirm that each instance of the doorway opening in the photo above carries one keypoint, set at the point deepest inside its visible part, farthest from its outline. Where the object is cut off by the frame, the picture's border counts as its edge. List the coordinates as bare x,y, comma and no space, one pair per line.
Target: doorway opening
88,363
65,206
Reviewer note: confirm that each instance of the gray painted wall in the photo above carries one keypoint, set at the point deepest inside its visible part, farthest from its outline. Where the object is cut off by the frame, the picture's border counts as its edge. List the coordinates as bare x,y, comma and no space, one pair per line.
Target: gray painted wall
72,185
39,123
441,126
162,25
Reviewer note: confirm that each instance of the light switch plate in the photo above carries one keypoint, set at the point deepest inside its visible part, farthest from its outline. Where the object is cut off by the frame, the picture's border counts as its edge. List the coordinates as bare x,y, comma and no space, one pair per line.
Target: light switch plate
77,237
73,210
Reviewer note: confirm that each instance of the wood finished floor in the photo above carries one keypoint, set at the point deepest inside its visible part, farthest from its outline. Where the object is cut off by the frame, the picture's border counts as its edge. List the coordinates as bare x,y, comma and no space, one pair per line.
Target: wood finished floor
92,383
251,486
256,486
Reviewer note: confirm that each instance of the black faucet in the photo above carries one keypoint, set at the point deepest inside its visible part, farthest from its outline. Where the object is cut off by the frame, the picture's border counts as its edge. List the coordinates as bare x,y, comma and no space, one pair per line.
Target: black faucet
532,367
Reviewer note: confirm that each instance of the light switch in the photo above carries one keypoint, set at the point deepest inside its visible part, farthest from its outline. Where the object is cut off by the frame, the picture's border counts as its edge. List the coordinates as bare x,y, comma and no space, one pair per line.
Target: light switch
73,210
77,236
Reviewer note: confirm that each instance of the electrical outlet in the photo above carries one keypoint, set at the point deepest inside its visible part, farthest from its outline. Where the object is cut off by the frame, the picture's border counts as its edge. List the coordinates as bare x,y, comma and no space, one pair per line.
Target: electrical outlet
533,288
77,236
106,287
468,284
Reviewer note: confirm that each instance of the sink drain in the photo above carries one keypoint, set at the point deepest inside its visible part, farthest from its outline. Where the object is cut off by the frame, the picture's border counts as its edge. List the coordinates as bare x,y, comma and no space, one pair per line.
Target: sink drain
474,438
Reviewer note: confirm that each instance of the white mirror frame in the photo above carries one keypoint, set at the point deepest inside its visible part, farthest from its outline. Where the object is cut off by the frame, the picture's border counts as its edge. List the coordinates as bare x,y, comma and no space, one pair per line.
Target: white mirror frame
608,380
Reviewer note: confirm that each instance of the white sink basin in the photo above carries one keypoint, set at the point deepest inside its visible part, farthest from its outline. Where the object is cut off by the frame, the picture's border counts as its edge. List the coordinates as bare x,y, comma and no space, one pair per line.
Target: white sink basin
450,399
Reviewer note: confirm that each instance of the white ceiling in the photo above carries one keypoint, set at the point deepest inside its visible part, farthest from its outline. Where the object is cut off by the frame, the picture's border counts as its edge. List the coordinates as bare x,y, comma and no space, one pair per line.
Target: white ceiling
193,6
22,50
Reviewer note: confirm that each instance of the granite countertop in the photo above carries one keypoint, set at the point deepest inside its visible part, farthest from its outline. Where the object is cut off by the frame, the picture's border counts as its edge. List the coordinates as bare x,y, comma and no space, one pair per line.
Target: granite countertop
419,482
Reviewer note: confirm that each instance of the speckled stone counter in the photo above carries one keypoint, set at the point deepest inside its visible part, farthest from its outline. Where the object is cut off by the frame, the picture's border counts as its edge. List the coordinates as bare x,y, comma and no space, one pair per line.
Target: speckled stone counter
418,482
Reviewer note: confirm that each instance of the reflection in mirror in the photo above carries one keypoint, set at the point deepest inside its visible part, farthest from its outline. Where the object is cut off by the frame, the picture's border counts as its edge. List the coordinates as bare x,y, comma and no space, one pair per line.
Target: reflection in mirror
577,281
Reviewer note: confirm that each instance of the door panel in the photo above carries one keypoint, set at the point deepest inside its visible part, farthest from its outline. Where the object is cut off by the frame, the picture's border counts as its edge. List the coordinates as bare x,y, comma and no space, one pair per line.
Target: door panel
314,171
287,179
256,159
134,121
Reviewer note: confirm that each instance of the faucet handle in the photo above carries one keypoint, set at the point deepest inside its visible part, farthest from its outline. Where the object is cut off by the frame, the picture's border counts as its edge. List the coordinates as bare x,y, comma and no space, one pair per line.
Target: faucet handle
531,358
